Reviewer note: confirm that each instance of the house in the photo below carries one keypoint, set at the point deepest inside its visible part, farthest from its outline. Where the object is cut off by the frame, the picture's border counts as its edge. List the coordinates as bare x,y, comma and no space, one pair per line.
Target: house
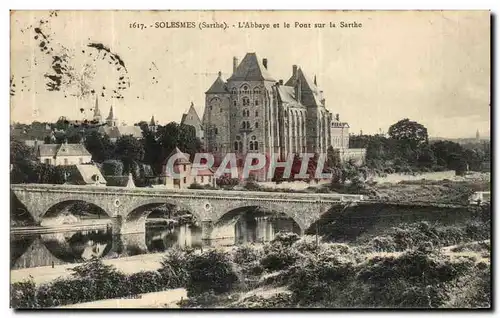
63,154
86,175
183,167
115,132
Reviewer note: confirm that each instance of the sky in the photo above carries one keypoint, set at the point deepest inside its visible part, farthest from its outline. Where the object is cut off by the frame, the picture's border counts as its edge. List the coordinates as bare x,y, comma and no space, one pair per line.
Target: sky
432,67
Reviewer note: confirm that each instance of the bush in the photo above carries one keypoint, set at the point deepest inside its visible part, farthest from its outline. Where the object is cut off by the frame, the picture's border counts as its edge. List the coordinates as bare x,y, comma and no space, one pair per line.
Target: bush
174,268
112,168
23,294
211,271
285,238
90,281
278,257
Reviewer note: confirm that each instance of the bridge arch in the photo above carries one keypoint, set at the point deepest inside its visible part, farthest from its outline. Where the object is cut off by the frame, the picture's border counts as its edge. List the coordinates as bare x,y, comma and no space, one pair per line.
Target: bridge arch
140,209
233,206
56,207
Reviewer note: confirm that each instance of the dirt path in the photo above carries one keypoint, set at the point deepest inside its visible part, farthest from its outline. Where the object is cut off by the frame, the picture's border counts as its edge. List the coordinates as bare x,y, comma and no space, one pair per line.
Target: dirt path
163,299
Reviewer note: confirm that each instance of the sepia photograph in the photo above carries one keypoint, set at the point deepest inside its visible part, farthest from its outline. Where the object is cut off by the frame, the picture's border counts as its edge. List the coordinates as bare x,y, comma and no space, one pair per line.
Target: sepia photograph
250,159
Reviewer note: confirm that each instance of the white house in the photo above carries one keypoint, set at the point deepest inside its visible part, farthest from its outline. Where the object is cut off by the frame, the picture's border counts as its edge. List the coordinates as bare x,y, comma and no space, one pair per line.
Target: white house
63,154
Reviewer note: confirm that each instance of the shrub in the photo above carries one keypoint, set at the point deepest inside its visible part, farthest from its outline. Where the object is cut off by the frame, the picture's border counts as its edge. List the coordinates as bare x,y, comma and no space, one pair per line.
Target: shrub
285,238
246,254
278,256
211,271
23,294
174,268
112,168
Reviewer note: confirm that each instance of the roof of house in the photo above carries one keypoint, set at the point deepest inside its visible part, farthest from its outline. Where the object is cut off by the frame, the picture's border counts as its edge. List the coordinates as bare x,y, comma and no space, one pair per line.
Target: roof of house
47,150
119,131
191,117
77,150
87,173
66,150
218,87
182,159
251,69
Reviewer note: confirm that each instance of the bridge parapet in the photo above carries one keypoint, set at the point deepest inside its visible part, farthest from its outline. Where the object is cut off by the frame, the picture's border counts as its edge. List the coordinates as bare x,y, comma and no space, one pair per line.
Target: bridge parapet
206,205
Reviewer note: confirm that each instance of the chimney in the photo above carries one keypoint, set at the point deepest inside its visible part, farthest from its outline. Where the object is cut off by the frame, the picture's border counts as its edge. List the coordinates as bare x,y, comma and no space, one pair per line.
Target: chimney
235,64
264,62
337,117
281,82
298,91
294,71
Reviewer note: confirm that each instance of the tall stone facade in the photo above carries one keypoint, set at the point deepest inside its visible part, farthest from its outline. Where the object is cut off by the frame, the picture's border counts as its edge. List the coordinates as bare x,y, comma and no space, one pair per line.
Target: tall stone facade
254,112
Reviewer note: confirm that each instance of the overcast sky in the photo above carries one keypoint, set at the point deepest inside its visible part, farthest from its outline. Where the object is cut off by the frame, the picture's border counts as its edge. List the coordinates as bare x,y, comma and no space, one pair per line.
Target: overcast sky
432,67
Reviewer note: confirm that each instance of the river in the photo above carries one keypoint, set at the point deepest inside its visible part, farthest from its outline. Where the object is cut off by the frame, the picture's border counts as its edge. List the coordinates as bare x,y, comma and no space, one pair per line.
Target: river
50,247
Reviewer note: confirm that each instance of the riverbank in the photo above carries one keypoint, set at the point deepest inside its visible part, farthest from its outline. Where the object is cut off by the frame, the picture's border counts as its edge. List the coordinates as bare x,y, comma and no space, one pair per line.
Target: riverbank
127,265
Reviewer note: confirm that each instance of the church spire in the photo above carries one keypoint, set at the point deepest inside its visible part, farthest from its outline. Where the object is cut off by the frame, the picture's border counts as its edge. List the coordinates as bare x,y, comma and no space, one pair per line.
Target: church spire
315,83
97,112
152,122
111,120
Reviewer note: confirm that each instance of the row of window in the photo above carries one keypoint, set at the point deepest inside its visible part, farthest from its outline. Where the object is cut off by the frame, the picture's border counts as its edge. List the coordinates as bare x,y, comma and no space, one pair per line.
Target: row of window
252,145
246,113
246,125
246,102
245,89
66,162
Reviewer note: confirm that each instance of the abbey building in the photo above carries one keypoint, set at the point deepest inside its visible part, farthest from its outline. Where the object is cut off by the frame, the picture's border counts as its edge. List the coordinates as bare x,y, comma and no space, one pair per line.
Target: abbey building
253,112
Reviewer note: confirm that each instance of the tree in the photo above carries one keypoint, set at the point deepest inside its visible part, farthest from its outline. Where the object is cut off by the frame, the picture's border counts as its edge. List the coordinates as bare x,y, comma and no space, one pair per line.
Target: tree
409,132
100,146
447,153
112,168
20,152
128,150
182,136
425,157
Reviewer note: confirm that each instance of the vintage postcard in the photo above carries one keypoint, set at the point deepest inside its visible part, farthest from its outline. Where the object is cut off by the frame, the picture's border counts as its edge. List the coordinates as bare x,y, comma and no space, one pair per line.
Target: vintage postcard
250,159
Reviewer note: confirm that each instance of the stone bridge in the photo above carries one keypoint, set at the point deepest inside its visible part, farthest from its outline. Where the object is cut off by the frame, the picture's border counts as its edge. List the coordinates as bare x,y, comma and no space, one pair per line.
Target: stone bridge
129,207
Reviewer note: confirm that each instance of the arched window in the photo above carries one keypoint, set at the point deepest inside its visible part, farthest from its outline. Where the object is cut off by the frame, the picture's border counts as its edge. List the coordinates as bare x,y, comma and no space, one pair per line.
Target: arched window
235,145
256,145
251,145
256,125
234,102
244,113
256,90
234,91
245,89
256,113
256,102
246,101
216,131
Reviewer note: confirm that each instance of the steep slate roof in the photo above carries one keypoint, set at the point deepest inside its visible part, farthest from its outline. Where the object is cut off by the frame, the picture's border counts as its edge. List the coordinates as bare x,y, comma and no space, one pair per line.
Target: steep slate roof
54,150
118,131
78,150
251,69
218,87
186,120
47,150
287,95
307,85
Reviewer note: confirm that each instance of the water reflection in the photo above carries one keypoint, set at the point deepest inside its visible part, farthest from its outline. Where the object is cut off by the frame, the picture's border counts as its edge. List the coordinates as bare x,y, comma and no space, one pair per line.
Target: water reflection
33,250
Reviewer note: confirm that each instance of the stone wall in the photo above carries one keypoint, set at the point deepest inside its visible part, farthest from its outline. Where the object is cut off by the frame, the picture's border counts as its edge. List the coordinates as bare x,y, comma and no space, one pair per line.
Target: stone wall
397,177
